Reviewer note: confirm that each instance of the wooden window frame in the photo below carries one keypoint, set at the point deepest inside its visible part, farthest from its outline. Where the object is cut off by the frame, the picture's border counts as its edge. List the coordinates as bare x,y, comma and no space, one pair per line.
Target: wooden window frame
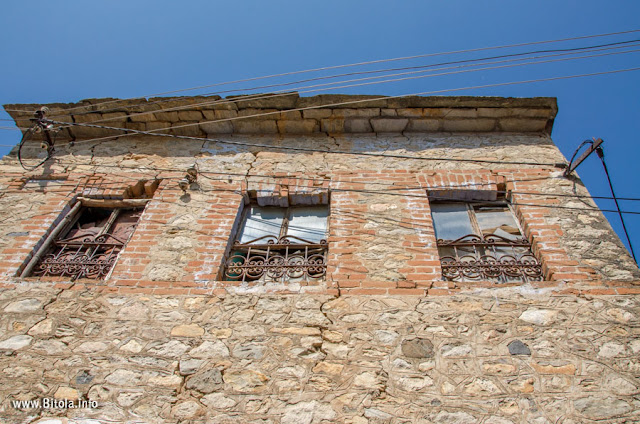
283,258
42,264
478,257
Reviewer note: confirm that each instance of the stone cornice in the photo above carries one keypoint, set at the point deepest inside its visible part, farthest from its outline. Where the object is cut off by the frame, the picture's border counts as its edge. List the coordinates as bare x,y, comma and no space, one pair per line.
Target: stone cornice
290,114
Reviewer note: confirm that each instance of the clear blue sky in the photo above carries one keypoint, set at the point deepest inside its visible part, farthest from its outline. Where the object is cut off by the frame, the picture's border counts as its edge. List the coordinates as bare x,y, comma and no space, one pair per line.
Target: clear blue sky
71,50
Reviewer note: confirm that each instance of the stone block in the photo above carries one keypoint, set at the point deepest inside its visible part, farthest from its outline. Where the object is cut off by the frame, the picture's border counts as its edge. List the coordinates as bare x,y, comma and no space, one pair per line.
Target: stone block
342,101
389,125
222,105
460,113
531,112
187,330
289,115
302,126
245,380
254,126
516,347
415,112
205,381
212,115
195,102
424,125
316,113
113,119
567,369
90,117
268,101
171,116
189,366
357,126
190,115
138,126
417,348
493,112
142,117
332,125
188,129
522,125
158,125
356,113
468,125
264,113
15,342
24,306
388,112
599,407
539,316
213,128
66,393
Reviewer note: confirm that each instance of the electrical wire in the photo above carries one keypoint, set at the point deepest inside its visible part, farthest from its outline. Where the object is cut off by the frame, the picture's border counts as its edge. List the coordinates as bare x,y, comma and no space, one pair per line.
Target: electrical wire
361,64
154,132
571,51
315,88
600,153
566,51
305,149
422,196
382,192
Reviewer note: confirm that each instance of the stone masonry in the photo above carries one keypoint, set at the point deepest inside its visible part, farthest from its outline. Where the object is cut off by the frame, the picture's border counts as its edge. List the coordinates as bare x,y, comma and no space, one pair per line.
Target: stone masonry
382,339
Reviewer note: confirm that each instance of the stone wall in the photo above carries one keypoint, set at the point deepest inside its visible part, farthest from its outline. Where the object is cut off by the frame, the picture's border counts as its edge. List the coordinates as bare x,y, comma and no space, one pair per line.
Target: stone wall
182,239
491,356
383,338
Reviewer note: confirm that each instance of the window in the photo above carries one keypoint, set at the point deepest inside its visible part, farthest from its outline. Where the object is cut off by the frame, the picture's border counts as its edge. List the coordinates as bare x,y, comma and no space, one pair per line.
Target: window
278,244
482,241
87,242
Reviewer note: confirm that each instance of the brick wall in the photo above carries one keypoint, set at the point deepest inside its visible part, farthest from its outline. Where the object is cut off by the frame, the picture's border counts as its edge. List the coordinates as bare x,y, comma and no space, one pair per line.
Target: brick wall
383,338
381,237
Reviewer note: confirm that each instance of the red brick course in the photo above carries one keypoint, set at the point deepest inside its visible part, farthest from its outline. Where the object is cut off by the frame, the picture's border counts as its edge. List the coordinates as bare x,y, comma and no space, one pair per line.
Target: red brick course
352,195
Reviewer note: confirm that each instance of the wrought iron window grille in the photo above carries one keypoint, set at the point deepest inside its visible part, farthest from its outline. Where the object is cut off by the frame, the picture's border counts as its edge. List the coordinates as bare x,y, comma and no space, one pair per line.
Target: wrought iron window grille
89,244
489,252
278,257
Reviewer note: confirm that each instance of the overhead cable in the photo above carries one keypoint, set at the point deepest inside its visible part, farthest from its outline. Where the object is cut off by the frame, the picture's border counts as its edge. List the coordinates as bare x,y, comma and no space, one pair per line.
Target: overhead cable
431,68
129,132
361,64
600,153
225,176
316,88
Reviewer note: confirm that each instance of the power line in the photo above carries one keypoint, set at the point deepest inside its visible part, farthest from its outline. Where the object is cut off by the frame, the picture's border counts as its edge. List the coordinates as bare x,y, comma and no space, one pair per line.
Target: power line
600,153
569,51
425,197
130,132
364,63
305,149
314,88
332,180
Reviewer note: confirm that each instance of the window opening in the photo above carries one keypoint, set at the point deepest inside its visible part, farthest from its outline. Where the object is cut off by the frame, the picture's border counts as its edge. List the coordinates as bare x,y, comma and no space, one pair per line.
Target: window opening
280,245
482,241
89,246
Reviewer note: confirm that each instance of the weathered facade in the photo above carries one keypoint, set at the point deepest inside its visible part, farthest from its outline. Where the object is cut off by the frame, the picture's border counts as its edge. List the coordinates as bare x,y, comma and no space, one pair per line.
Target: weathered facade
352,310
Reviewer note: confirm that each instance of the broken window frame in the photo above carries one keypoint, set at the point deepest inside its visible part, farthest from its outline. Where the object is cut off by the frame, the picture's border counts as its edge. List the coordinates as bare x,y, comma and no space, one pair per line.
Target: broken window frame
279,258
482,256
83,256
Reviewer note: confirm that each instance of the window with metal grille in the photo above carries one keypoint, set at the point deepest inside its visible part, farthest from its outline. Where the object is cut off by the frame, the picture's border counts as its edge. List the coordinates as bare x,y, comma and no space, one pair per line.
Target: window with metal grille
482,241
280,244
88,244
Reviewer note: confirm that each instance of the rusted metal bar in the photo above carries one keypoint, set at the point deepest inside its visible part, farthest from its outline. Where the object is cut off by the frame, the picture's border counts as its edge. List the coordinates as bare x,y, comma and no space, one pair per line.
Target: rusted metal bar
47,243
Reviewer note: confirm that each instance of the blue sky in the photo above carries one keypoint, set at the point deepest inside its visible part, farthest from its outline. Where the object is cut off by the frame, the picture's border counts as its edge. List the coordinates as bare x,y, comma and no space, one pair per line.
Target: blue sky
70,50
